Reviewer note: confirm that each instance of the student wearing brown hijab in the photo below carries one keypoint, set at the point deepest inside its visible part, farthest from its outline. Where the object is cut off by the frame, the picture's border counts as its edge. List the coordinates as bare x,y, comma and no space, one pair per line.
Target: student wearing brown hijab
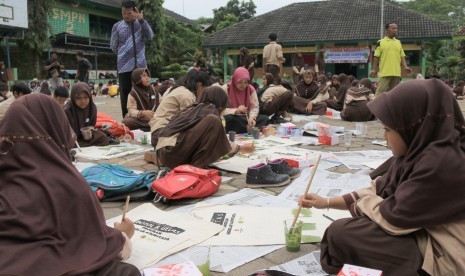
51,221
345,83
142,101
196,136
275,100
178,98
411,221
355,103
82,112
306,101
334,87
298,67
246,61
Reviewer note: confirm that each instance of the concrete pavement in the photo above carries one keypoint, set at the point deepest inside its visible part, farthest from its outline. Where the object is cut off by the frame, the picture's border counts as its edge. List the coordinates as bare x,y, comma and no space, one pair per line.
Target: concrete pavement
111,106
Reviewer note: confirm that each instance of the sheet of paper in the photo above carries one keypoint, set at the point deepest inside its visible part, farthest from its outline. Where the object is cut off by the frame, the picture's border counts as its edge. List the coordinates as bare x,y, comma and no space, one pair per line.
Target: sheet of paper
304,118
242,224
80,166
354,159
110,152
306,265
175,269
325,184
159,234
226,258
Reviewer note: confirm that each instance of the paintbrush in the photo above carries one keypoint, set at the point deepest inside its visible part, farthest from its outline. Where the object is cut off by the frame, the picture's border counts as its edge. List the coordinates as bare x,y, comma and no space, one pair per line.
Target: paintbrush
125,208
306,190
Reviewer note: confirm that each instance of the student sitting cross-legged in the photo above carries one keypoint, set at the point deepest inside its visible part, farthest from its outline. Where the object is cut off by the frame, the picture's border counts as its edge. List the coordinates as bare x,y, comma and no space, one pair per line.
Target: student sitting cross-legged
142,101
411,219
176,99
51,221
82,116
196,136
244,108
275,99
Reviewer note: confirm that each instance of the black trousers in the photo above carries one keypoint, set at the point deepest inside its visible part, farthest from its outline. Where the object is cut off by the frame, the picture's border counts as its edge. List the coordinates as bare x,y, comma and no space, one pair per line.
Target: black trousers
125,86
238,123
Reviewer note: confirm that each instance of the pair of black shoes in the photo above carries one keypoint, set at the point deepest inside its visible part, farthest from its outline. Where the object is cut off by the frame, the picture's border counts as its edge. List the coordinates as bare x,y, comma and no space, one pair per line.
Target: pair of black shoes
274,174
112,140
276,120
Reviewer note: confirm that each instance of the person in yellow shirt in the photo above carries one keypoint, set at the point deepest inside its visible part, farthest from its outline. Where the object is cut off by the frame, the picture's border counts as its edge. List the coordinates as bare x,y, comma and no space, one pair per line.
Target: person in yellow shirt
388,60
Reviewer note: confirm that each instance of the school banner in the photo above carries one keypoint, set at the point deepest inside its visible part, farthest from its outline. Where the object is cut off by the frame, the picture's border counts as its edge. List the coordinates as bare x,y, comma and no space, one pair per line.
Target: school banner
347,55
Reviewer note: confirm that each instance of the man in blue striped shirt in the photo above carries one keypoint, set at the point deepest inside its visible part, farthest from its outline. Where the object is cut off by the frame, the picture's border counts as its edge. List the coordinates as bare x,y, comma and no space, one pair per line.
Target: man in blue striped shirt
128,38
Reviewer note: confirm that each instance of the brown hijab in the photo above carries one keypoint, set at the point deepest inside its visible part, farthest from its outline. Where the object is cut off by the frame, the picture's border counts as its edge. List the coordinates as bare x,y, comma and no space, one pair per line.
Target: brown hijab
307,91
51,222
363,89
426,186
78,117
245,58
345,83
298,61
146,97
212,101
458,90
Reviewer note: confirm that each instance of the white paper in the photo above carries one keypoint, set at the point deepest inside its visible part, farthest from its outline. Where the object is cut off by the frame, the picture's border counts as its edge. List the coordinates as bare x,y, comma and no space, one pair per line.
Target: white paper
226,258
176,269
354,159
304,118
240,163
243,224
80,166
325,184
306,265
159,234
109,152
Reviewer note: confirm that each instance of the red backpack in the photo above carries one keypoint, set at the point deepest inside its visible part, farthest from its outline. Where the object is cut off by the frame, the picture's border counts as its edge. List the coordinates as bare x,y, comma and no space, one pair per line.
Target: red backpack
186,181
111,127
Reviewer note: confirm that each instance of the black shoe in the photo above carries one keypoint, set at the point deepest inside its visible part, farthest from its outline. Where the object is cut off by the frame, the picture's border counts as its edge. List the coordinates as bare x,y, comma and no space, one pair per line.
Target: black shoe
275,119
282,167
113,141
261,176
73,155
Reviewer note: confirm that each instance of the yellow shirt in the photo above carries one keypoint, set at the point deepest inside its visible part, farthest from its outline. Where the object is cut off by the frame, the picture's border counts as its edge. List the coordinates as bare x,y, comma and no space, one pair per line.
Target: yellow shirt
390,52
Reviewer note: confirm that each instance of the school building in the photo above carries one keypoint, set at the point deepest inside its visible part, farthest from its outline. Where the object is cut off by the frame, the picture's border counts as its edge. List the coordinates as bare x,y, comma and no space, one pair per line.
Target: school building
78,26
346,31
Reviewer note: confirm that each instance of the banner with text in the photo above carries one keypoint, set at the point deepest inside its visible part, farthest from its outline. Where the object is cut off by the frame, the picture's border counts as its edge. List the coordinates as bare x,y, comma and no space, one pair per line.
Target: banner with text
347,55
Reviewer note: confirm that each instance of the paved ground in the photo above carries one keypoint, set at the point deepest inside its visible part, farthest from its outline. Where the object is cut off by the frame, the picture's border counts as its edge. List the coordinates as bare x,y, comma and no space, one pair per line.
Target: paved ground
111,106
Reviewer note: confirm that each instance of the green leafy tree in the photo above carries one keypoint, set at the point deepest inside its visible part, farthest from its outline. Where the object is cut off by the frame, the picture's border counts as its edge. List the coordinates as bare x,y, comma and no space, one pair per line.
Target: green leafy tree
36,37
452,11
241,11
153,14
204,20
181,42
228,20
442,56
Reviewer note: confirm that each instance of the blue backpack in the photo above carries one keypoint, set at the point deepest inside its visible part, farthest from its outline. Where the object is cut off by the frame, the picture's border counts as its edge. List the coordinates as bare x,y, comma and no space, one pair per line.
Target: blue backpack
114,182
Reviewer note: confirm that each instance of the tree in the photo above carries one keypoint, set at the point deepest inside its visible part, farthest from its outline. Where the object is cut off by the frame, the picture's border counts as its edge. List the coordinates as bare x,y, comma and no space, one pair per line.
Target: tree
442,56
228,20
153,14
241,11
204,20
36,37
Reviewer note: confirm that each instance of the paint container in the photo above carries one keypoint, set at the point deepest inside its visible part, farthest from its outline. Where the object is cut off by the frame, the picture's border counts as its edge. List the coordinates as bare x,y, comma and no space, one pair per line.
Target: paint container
255,133
232,136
